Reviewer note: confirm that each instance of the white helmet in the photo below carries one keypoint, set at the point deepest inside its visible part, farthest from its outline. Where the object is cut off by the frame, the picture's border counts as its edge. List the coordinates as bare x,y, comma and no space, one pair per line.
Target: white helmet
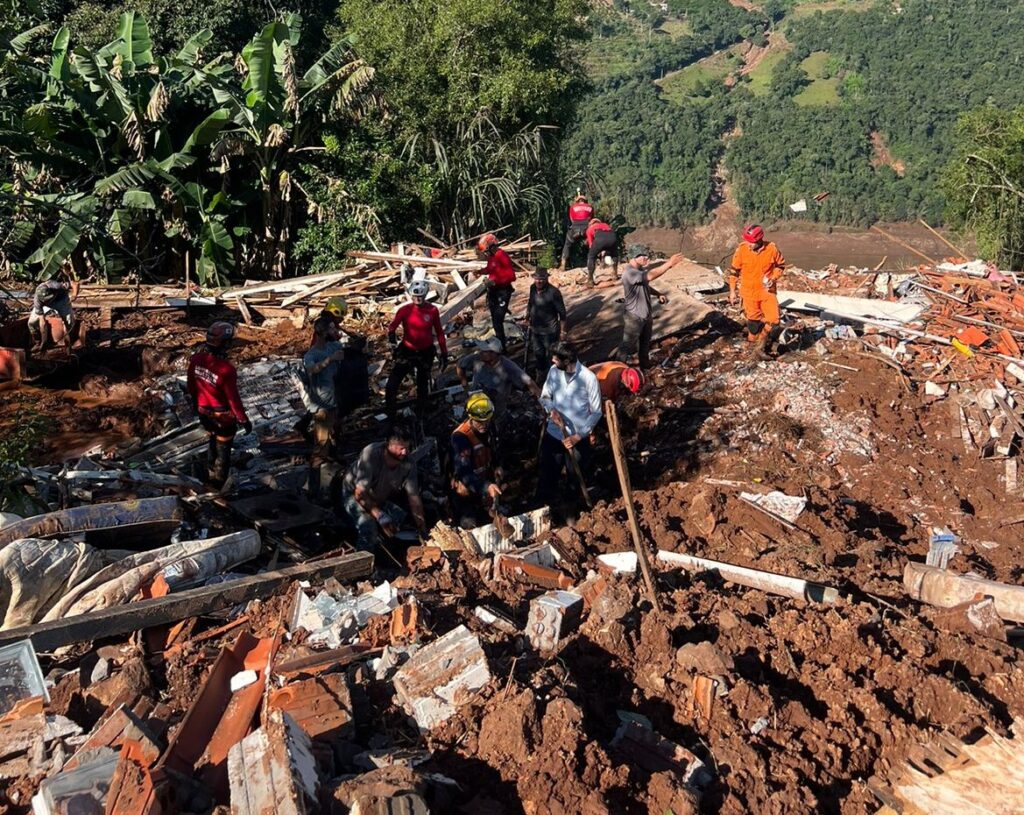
418,288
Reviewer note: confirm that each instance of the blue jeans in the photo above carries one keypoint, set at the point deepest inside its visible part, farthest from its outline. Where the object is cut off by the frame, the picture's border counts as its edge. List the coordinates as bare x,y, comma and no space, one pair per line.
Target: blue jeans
367,529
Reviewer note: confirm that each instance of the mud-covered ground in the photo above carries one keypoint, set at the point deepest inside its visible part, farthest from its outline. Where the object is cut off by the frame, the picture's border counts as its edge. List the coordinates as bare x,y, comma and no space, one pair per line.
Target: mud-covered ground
812,700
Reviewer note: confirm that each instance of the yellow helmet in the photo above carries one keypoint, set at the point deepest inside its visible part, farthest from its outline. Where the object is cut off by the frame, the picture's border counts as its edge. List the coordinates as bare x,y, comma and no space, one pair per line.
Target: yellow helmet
480,407
337,306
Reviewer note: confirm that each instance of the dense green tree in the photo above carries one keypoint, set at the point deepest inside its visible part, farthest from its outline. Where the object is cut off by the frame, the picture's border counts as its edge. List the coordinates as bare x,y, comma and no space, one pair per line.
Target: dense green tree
984,182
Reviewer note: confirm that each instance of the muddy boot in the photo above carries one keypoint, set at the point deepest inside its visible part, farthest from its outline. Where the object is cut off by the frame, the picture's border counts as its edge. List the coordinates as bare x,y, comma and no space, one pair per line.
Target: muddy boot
758,348
771,340
222,464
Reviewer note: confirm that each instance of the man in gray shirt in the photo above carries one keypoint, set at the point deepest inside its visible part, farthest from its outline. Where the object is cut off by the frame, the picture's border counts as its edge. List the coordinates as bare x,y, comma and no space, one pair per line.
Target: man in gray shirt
381,470
321,368
638,320
490,371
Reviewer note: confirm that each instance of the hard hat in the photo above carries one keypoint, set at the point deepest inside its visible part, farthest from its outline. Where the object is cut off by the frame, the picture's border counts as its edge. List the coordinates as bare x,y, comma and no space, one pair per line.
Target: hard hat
480,407
219,334
633,380
418,288
753,233
486,242
337,306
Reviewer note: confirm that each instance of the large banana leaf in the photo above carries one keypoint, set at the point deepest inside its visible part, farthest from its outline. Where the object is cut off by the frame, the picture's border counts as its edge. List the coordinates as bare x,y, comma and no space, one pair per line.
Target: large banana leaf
59,69
208,129
19,44
137,46
89,67
258,56
189,53
131,177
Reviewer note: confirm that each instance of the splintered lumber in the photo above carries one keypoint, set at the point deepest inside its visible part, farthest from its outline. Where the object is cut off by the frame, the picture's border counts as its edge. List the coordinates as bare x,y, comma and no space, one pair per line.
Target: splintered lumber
949,777
124,619
326,283
418,260
289,284
754,578
944,589
464,298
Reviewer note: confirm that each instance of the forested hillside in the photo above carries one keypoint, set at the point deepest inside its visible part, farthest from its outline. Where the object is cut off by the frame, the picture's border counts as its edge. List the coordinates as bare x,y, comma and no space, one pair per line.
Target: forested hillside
858,99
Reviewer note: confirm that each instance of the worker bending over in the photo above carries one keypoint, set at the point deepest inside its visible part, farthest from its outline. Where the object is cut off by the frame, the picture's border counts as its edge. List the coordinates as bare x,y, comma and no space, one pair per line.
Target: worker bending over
52,298
545,321
580,213
501,274
475,475
600,238
213,386
493,373
572,398
617,379
757,266
421,323
382,469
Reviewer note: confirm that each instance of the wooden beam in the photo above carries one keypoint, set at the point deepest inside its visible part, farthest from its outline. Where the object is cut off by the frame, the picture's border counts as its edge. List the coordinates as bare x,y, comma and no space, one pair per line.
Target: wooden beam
417,260
124,619
464,298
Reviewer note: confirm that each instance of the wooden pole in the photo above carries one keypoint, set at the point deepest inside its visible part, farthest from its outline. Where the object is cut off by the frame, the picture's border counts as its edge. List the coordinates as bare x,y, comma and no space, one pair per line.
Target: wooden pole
906,246
575,463
935,232
611,417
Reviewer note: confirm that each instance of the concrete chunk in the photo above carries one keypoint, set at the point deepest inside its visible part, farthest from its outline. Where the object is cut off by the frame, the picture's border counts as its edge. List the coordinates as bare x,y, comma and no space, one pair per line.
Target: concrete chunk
552,616
441,676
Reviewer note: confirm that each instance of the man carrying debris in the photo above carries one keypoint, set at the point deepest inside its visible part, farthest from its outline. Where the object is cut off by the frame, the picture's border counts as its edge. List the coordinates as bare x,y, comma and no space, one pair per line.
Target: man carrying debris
638,321
213,385
490,371
52,298
321,367
475,475
380,471
580,213
572,398
757,266
421,323
600,238
545,320
501,274
617,378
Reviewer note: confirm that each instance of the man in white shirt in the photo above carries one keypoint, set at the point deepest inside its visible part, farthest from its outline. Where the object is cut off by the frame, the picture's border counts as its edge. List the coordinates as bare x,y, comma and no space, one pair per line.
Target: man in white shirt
572,398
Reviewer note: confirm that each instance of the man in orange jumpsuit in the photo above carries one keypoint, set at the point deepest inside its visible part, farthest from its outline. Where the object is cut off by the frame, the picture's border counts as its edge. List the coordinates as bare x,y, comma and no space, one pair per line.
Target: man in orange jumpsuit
757,265
616,379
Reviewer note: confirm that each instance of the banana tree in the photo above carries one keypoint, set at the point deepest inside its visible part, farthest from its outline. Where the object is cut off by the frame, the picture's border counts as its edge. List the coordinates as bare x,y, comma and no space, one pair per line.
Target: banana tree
269,122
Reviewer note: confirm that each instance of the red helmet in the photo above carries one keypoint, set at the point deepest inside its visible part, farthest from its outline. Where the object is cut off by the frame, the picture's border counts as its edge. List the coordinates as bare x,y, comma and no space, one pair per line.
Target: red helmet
486,242
219,334
753,234
633,379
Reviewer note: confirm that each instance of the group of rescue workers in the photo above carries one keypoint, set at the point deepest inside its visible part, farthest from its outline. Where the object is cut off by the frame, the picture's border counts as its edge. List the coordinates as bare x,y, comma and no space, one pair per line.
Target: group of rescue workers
571,394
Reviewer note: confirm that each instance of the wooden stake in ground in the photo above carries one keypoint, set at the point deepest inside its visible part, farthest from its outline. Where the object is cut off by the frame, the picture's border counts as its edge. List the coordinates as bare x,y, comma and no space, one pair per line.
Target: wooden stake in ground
935,232
906,246
575,463
612,418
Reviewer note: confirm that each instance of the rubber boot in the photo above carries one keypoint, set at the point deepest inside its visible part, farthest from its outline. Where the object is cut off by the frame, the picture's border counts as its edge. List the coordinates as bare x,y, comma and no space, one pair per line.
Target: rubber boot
222,464
759,348
771,339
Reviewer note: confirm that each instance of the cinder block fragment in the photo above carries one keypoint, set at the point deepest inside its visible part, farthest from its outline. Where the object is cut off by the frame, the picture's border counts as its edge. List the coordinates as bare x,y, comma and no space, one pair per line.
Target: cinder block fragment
552,616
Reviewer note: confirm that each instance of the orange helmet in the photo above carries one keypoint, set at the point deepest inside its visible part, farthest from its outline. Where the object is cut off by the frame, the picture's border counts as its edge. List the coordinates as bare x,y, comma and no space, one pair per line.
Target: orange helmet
633,379
486,242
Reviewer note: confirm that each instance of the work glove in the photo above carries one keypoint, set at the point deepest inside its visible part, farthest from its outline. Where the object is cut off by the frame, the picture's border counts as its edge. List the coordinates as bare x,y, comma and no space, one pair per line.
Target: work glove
393,340
248,426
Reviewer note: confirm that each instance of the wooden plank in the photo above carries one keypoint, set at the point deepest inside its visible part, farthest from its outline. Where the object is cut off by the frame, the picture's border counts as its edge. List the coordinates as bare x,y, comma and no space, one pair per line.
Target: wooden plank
417,260
316,289
124,619
242,307
291,284
464,298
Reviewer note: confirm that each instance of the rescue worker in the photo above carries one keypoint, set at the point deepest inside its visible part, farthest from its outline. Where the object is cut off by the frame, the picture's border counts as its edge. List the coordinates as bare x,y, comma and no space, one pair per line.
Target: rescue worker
638,321
545,320
321,368
213,385
756,267
475,475
600,238
421,323
572,398
335,310
616,379
382,469
52,298
490,371
580,213
501,274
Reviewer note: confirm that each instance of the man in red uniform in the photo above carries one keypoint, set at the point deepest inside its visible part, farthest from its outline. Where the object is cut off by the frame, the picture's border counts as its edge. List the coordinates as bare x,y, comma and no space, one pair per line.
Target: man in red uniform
420,322
580,213
756,267
600,238
213,385
501,274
